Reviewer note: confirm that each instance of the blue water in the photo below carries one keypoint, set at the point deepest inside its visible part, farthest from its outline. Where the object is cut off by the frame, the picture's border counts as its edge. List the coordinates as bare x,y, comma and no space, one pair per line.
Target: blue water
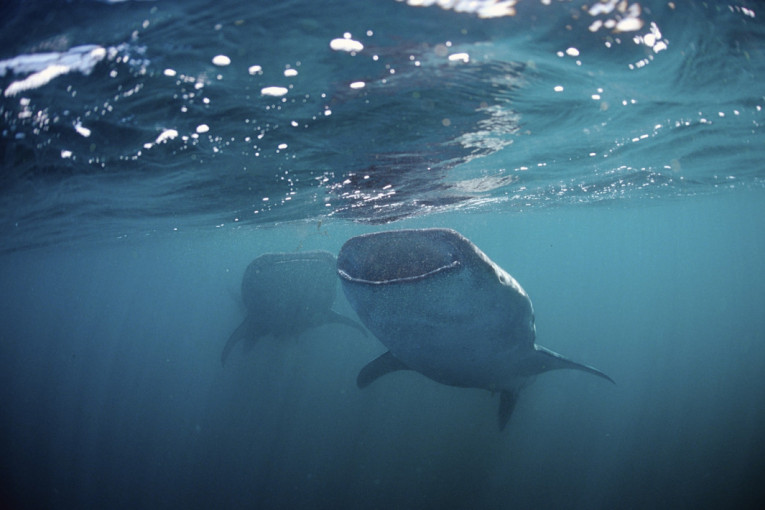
609,156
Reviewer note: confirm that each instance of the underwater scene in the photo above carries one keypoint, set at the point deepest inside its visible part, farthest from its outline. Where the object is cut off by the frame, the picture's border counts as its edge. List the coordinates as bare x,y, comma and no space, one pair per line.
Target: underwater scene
501,254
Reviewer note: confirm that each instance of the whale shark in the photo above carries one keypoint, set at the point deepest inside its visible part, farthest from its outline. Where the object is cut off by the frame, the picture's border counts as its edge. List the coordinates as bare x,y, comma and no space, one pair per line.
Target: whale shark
444,309
286,294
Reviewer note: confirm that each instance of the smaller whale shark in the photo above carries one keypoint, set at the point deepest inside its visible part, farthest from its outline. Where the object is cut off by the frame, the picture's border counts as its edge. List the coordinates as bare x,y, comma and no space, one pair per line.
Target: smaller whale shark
445,310
286,294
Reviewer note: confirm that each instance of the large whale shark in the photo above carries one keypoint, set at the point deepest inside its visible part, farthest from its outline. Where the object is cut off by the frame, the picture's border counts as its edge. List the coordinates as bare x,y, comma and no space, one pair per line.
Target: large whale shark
286,294
445,310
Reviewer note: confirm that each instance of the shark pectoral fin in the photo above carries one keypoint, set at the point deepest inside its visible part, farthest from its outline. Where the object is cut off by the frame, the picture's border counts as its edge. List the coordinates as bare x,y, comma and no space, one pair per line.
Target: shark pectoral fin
333,316
377,368
543,360
239,333
507,401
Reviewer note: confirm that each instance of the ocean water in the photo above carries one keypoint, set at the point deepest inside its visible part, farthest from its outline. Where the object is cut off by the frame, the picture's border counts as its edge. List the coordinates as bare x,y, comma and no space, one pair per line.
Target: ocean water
609,155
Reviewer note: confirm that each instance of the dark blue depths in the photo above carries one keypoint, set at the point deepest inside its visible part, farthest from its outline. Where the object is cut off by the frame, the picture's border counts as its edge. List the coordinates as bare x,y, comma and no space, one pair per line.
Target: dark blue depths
113,393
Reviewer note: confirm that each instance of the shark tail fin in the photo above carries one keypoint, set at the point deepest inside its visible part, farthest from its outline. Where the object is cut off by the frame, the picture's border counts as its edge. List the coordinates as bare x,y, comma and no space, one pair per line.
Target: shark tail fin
239,333
507,401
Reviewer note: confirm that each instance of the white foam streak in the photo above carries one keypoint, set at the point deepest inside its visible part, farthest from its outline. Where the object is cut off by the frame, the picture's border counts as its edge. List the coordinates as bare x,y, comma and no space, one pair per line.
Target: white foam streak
167,134
82,130
36,80
274,91
482,8
45,67
346,44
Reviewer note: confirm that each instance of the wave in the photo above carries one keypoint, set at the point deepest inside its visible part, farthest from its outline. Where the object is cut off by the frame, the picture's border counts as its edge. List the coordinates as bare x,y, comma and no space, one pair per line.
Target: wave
164,119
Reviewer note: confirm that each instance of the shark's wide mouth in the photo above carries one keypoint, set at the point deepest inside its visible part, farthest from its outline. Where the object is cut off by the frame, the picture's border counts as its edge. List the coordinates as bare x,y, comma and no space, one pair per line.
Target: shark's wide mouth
397,256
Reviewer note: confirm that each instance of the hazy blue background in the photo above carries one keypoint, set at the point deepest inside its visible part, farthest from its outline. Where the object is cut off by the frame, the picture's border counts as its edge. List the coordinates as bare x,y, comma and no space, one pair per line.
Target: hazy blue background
635,221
